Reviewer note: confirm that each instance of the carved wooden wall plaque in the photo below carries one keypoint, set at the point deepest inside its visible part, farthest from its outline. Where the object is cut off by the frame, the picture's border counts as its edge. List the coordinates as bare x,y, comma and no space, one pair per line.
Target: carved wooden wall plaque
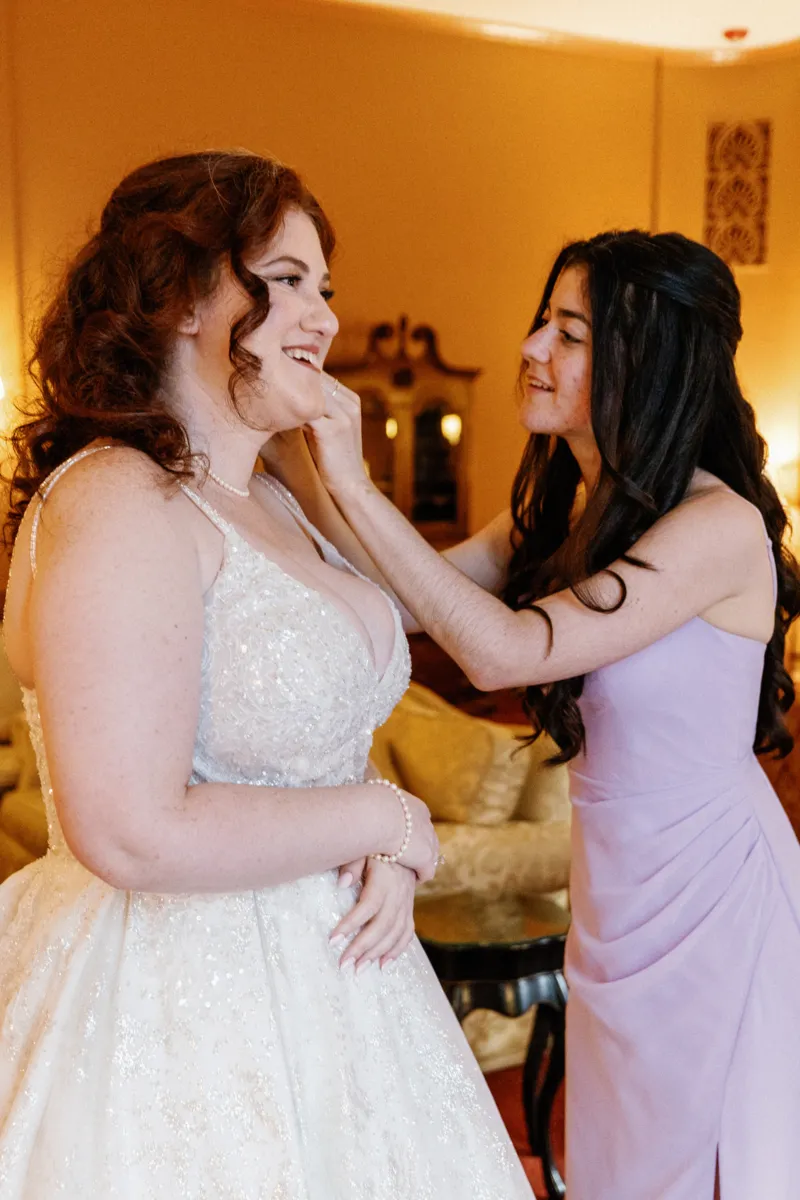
737,191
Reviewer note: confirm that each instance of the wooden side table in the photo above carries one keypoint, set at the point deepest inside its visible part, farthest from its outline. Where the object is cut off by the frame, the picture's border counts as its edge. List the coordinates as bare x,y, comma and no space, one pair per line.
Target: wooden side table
507,954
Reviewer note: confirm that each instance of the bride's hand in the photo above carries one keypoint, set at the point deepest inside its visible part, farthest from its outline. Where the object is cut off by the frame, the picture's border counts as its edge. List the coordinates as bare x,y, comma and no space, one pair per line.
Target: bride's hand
422,852
336,437
383,917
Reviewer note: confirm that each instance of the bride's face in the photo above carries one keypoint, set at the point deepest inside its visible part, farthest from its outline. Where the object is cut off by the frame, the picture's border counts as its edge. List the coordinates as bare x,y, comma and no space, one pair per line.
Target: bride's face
291,343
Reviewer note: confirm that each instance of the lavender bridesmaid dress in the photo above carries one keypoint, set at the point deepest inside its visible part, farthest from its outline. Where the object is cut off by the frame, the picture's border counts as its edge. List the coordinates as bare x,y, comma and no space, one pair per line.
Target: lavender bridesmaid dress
683,1025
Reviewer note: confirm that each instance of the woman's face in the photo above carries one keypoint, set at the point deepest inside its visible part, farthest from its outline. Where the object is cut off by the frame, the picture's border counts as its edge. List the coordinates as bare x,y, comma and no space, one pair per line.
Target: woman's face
557,396
291,343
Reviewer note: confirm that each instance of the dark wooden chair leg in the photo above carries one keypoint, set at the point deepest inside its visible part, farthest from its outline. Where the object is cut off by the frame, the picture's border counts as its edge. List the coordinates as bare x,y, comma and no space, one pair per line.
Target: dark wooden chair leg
509,977
538,1098
532,1072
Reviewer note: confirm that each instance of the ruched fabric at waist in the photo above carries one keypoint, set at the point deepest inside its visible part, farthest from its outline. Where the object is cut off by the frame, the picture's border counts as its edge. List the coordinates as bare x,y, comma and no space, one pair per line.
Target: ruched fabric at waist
685,782
652,871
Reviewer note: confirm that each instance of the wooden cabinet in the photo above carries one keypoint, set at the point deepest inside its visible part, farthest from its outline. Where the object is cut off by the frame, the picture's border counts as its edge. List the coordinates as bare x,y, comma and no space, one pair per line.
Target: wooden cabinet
416,426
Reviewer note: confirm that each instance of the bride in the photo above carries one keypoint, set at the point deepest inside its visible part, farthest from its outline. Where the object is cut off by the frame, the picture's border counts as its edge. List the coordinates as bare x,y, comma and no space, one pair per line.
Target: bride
194,1002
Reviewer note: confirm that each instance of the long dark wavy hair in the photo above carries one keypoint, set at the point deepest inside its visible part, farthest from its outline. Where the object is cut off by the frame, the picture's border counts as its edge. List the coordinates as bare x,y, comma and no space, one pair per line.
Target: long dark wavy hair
666,321
103,346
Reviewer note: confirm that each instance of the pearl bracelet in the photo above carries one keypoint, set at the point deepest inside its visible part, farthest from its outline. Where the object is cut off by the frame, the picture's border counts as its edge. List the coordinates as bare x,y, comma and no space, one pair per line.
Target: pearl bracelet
393,858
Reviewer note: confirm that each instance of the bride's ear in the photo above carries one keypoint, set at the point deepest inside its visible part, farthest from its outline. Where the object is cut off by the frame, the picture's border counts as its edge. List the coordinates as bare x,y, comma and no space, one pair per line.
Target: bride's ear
189,324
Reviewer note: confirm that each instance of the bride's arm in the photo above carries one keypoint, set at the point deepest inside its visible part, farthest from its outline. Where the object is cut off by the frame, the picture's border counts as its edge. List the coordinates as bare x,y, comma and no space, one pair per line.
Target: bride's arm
483,557
116,628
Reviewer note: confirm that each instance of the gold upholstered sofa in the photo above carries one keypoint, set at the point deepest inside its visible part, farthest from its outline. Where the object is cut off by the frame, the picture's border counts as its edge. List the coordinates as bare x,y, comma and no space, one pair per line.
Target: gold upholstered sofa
23,826
502,815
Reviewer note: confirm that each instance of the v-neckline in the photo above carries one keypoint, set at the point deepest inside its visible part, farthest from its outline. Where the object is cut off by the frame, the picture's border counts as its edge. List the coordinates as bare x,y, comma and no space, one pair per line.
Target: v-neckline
323,546
368,649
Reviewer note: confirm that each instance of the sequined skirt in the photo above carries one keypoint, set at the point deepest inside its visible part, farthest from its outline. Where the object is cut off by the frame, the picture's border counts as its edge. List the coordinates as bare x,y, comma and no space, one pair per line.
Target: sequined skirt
199,1047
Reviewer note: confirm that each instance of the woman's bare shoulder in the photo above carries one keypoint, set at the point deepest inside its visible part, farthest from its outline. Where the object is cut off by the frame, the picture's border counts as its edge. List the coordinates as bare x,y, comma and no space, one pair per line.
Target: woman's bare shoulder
714,520
717,501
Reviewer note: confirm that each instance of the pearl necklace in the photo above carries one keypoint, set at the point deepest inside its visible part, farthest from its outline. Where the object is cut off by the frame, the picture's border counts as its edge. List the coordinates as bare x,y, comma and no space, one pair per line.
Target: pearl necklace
228,487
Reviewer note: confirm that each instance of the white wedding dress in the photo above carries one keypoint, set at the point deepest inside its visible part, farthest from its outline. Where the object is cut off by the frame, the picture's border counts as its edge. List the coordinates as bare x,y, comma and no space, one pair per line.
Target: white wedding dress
207,1047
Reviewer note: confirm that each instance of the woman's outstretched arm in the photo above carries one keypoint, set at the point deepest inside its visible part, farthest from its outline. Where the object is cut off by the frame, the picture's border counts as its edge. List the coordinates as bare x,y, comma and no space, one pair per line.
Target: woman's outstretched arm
707,557
483,557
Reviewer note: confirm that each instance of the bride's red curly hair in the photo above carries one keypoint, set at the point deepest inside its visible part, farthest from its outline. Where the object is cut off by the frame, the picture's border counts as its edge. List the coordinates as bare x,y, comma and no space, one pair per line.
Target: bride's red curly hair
102,348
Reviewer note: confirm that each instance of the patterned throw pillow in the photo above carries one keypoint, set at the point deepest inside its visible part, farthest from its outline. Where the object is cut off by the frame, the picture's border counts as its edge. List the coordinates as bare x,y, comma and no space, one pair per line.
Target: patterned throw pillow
467,770
545,791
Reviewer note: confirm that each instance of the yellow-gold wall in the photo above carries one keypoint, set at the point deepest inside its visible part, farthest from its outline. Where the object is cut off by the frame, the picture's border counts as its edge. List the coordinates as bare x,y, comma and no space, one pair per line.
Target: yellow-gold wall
453,167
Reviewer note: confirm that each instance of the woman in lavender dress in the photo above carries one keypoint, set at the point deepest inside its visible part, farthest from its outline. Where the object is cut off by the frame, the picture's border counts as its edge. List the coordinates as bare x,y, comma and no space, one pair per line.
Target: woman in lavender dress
647,597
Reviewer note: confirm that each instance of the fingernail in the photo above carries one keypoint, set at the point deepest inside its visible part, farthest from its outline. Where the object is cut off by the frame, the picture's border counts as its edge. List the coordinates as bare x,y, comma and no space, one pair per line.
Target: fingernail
345,880
363,966
337,941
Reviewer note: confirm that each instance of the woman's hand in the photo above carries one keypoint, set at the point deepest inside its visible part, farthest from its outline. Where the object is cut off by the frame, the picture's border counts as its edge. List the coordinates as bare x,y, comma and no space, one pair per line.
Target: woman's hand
383,917
336,438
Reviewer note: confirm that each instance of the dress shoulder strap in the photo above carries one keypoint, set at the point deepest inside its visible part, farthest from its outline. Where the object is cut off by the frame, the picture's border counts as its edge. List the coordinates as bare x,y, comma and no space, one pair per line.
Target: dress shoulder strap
326,548
45,488
286,497
331,554
773,566
214,517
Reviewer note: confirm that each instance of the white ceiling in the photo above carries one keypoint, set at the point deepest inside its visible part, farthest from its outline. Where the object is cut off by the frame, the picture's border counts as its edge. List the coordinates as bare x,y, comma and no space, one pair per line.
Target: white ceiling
670,24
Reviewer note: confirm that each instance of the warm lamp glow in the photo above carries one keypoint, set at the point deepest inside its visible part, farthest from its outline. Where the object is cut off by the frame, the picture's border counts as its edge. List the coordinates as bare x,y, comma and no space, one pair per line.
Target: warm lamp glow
391,428
783,462
783,469
515,33
2,389
786,478
726,54
451,428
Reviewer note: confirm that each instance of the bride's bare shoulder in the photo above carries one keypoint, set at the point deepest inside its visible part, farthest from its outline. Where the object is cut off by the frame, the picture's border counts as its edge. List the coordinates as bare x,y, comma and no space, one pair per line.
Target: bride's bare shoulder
114,502
115,487
103,472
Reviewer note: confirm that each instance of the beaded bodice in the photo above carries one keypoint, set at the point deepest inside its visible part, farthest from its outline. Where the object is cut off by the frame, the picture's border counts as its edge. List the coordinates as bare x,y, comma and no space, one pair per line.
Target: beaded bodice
290,696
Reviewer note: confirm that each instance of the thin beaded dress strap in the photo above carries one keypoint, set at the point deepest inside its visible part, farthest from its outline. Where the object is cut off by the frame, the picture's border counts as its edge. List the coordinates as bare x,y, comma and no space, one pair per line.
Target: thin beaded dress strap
219,522
288,500
44,490
319,539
